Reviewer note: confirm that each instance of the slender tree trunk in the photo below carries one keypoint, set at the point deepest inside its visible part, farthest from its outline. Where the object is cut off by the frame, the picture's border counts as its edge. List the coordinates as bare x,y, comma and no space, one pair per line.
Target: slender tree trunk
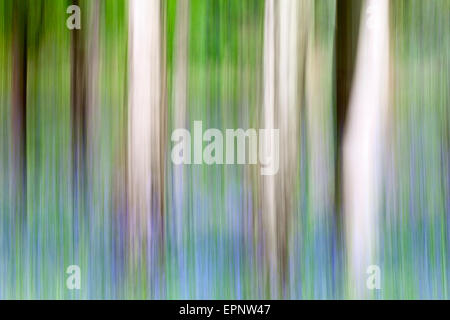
268,182
18,108
78,104
285,44
291,40
347,29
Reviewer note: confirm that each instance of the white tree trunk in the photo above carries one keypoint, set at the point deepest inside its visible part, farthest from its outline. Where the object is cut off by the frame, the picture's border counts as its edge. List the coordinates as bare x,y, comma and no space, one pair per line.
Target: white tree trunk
284,50
144,114
363,143
268,185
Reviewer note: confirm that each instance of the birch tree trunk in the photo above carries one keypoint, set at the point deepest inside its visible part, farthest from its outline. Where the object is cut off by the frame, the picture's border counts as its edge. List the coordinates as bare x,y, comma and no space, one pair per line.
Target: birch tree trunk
268,182
145,125
363,142
285,40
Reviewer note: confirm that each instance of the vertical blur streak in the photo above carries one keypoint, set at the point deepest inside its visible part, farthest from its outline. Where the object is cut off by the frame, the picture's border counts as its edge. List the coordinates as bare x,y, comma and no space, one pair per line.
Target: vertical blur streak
268,182
180,64
363,145
348,17
18,160
318,122
179,121
18,109
289,101
78,87
297,83
93,125
144,158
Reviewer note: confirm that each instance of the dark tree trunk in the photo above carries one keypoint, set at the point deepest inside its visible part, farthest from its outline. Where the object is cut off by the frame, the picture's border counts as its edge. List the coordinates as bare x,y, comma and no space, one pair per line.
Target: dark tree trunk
18,107
347,30
78,100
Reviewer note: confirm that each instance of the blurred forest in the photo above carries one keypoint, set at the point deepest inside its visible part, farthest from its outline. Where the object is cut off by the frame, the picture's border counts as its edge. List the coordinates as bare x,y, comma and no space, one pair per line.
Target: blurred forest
86,177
